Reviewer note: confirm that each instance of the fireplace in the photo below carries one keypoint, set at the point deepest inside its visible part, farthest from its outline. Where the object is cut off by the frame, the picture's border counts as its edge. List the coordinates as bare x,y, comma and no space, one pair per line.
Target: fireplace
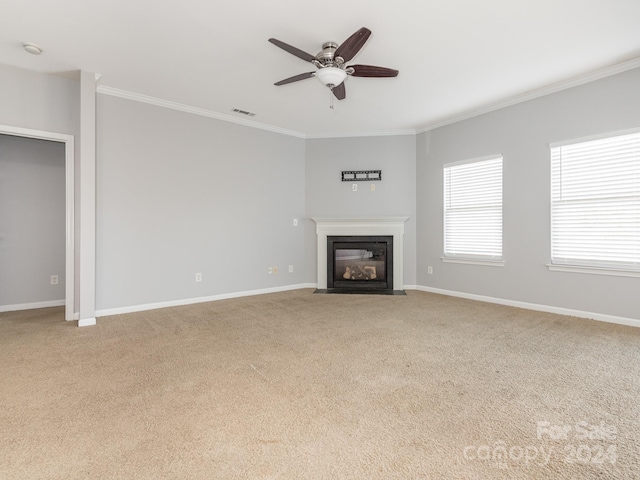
360,262
368,230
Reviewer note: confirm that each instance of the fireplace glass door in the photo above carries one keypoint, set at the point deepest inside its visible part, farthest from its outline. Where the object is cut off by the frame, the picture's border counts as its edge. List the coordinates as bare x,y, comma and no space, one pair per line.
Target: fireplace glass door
359,262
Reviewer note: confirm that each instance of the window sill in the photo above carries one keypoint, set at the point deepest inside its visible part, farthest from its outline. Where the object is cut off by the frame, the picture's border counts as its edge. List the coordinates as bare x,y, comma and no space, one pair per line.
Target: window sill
593,270
474,261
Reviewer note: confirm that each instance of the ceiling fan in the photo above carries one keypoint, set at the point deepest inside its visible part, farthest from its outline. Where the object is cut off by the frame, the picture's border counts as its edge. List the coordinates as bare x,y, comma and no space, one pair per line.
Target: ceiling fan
331,63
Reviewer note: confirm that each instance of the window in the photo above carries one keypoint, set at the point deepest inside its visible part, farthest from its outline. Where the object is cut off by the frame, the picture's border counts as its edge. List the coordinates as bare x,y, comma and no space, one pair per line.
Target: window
595,204
473,211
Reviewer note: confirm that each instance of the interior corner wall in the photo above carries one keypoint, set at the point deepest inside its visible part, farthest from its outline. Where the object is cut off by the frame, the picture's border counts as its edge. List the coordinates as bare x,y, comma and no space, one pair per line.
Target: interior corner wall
180,194
395,195
522,134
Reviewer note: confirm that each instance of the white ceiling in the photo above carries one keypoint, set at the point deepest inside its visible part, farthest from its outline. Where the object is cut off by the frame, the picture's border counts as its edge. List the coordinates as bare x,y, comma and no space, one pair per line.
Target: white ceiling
455,57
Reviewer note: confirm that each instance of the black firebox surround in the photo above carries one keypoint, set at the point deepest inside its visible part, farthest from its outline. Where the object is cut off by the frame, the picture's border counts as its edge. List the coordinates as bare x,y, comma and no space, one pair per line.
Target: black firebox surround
366,287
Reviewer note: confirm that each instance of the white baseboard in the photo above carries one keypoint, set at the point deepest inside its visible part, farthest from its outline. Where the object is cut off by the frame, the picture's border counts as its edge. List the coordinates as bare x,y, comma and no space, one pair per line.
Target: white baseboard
631,322
190,301
87,322
31,306
481,298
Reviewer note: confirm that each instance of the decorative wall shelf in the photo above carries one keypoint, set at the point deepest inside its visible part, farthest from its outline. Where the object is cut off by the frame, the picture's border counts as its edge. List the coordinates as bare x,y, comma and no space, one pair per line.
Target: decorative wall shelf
361,175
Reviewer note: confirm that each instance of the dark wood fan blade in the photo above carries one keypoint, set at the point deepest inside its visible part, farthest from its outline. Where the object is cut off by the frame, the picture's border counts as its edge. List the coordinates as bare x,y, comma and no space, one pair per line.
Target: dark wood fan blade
293,50
371,71
339,91
295,78
353,44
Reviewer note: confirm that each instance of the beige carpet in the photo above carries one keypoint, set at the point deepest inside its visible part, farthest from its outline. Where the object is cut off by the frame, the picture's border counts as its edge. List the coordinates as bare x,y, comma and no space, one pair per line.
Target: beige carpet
301,386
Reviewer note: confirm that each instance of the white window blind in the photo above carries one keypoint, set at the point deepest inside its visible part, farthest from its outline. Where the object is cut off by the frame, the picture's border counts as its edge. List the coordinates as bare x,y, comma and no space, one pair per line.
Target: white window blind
595,203
473,209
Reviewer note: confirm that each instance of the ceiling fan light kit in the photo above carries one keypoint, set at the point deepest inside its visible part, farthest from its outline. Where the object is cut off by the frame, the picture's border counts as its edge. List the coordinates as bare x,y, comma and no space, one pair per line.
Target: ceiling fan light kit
331,76
330,63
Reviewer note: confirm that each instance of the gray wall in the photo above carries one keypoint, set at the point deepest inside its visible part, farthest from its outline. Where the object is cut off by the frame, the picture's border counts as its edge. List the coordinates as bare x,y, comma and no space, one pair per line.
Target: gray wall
179,194
32,220
395,195
522,133
39,101
49,103
170,184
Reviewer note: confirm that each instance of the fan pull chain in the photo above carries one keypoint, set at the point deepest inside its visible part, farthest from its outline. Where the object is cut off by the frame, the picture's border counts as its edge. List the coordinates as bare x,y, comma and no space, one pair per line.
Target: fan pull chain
331,98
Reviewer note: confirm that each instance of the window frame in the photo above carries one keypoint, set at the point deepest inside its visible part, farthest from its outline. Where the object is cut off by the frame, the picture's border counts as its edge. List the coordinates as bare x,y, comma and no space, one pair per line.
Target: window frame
466,258
584,265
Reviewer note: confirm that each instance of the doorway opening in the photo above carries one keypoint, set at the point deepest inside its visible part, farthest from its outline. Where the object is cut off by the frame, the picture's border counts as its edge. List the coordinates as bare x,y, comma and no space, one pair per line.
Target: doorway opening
68,142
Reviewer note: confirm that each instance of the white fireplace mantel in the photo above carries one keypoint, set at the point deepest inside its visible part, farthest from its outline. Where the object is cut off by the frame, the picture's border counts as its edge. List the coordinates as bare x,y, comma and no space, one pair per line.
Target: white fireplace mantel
369,226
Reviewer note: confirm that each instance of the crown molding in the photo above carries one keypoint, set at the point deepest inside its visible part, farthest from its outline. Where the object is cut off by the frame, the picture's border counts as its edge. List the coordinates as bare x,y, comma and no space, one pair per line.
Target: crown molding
136,97
514,100
379,133
540,92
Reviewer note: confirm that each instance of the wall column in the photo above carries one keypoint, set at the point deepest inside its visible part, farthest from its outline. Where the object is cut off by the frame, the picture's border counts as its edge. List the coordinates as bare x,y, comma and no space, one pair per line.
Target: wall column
87,245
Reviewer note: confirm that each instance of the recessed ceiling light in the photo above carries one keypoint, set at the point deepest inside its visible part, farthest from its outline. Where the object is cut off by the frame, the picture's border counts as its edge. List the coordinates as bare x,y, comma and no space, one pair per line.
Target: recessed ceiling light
32,48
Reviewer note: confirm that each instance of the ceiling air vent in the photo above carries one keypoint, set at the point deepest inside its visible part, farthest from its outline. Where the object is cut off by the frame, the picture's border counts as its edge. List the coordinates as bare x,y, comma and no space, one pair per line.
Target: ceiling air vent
244,112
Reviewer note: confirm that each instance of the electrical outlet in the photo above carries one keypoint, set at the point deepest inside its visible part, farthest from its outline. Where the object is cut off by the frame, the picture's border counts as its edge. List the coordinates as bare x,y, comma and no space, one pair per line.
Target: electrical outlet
54,279
270,270
430,270
290,268
295,222
198,277
354,187
275,270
